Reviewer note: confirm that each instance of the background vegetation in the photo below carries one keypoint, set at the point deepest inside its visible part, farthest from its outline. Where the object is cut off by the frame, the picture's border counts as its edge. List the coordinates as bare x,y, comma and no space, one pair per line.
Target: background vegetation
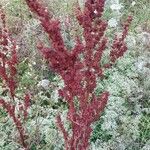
125,123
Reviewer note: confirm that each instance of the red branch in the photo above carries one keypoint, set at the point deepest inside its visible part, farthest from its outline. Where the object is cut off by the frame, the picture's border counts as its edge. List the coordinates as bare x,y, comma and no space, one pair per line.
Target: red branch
10,108
79,73
119,46
8,72
8,57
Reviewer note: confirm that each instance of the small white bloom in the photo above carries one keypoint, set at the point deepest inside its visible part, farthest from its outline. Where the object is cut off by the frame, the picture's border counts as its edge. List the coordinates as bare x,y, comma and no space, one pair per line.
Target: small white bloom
34,63
133,3
140,65
44,83
95,11
46,9
112,22
116,6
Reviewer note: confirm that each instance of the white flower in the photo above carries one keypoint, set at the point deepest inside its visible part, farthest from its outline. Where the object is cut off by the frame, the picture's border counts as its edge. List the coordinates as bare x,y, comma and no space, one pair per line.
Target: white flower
44,83
95,11
34,63
112,22
116,6
139,65
133,3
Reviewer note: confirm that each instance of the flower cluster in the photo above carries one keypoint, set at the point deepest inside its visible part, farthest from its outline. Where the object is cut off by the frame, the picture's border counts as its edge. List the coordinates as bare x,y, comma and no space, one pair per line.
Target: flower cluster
8,72
79,67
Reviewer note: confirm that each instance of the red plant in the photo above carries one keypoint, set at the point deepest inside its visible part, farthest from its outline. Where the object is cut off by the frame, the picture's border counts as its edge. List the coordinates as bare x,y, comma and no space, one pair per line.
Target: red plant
79,72
8,72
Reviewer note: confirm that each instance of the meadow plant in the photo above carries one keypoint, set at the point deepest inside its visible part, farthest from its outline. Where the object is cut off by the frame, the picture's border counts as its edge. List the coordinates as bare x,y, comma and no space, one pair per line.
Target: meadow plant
8,72
80,67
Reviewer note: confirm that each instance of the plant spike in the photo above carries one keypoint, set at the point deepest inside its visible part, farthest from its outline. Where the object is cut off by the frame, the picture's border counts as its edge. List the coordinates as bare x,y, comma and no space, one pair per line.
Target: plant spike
79,74
8,73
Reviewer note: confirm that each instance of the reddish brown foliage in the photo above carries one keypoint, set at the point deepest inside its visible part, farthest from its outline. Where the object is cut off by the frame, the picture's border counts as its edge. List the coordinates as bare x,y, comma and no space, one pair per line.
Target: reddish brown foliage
8,72
79,72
